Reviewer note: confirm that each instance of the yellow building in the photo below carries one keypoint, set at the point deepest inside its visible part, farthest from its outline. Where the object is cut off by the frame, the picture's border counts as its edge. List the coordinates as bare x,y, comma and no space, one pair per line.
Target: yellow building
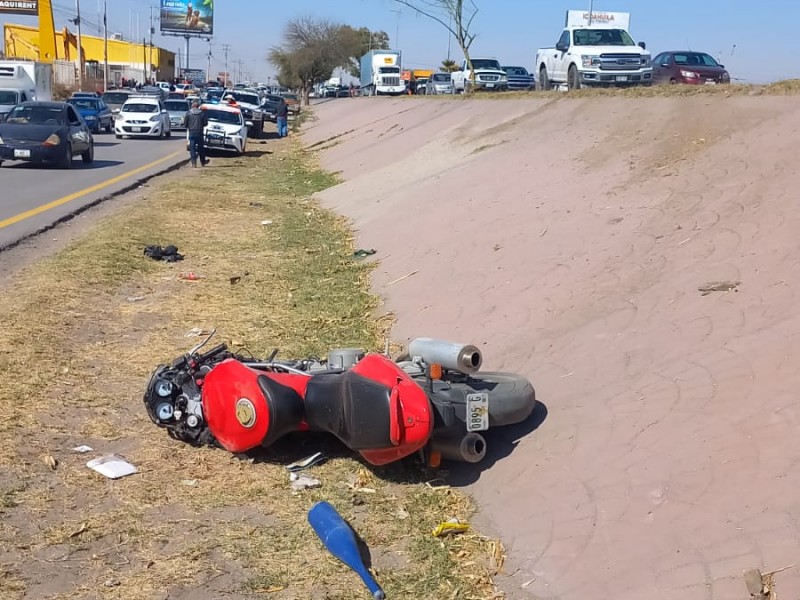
125,59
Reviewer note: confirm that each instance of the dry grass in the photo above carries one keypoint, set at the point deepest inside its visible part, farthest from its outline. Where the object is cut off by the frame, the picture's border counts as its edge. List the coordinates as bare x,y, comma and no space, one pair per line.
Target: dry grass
75,351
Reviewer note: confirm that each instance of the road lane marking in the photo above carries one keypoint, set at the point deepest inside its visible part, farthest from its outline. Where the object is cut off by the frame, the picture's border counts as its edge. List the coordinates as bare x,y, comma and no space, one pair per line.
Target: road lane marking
99,186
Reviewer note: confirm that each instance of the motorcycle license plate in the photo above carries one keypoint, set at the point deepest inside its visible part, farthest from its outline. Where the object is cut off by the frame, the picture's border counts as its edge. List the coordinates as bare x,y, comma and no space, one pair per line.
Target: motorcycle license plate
478,411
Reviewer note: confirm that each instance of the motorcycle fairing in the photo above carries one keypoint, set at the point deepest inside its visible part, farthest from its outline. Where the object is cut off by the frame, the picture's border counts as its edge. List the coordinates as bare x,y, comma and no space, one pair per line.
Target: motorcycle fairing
245,408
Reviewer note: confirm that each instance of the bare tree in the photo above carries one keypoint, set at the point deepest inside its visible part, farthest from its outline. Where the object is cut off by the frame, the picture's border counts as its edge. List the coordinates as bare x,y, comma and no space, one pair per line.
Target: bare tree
312,49
456,16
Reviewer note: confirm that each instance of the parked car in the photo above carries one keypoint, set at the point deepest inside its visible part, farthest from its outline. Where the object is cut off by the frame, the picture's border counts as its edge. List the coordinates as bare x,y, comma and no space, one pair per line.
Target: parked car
40,132
439,83
519,79
95,112
177,109
693,68
270,106
143,116
226,129
422,86
293,100
115,99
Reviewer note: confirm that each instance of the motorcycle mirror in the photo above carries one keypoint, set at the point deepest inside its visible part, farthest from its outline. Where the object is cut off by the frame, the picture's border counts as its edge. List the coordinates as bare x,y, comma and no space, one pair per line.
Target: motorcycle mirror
203,343
273,355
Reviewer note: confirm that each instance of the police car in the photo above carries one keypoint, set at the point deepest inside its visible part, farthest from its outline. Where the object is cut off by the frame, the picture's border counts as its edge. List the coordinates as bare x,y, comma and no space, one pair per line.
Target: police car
226,129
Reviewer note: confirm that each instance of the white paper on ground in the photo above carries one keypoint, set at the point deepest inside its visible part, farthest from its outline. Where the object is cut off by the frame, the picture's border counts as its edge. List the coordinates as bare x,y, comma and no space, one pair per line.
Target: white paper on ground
82,449
112,466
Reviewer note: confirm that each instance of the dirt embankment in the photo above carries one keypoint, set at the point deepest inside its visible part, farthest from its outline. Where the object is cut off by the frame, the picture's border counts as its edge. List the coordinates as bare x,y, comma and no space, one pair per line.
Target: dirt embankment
569,238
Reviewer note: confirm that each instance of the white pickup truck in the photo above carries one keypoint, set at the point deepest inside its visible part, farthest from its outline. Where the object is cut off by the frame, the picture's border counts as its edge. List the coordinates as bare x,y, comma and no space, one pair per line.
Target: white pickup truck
489,75
594,50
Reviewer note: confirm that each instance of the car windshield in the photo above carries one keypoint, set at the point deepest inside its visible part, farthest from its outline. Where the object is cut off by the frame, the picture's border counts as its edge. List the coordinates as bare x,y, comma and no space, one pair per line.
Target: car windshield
135,107
516,71
83,103
441,78
8,97
602,37
224,116
695,59
37,115
246,98
176,105
115,98
386,70
479,63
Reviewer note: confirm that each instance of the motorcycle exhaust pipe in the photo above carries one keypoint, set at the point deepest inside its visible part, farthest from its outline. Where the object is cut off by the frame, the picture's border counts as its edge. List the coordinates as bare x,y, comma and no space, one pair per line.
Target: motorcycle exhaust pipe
470,448
464,358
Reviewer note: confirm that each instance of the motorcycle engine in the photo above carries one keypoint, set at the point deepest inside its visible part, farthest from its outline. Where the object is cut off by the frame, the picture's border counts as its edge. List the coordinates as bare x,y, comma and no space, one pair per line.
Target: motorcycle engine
173,402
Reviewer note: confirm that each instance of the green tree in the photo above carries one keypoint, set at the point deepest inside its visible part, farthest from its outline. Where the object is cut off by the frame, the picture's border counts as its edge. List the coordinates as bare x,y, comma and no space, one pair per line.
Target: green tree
449,65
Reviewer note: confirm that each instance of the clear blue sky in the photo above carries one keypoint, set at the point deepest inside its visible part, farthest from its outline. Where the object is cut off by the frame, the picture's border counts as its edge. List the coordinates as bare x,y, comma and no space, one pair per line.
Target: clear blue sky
510,30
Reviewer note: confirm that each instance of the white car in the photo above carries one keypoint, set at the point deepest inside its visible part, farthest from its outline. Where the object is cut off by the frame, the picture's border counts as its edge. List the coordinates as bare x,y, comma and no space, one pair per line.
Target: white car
226,129
143,116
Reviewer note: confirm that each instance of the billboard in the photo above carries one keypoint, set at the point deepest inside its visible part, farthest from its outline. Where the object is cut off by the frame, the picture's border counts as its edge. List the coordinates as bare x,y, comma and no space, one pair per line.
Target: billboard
19,7
578,18
187,17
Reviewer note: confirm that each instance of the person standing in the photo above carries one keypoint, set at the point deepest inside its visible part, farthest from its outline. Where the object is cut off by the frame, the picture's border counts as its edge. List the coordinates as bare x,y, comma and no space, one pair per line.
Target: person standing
282,119
196,121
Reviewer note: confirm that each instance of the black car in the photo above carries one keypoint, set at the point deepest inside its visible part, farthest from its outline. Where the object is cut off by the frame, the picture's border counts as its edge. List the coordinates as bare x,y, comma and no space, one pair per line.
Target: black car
519,78
41,132
270,106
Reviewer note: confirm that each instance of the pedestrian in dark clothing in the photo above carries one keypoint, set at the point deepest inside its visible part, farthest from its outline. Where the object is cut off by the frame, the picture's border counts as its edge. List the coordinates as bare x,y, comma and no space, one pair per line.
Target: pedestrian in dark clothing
196,121
282,119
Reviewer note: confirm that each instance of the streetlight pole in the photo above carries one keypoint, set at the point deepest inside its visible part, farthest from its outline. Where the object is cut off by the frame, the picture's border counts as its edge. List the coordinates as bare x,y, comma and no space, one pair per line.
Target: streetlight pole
397,29
80,47
591,11
105,46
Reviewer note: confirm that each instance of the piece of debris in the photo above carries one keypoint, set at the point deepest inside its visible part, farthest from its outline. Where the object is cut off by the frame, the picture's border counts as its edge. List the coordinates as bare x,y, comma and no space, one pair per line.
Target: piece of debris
267,222
719,286
112,466
135,298
190,276
399,279
304,482
196,332
362,253
50,461
167,254
450,527
402,514
237,278
755,585
80,530
256,205
306,462
190,482
496,247
82,449
111,582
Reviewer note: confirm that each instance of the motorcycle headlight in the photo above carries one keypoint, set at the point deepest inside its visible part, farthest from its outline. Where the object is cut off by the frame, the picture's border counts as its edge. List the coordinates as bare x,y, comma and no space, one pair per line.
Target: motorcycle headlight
53,140
163,388
165,411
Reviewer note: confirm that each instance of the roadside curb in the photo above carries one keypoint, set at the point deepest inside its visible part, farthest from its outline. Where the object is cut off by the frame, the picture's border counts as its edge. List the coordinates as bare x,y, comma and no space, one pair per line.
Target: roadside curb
72,214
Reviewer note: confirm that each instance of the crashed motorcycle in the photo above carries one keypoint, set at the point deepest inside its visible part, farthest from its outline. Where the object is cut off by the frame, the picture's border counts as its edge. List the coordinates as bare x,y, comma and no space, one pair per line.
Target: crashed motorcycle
433,400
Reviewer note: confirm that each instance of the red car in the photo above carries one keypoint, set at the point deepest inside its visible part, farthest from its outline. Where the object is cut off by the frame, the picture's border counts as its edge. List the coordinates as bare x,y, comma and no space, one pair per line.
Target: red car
693,68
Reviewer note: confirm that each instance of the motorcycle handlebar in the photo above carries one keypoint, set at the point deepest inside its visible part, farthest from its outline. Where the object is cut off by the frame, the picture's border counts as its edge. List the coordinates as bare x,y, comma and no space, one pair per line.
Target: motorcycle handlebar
211,353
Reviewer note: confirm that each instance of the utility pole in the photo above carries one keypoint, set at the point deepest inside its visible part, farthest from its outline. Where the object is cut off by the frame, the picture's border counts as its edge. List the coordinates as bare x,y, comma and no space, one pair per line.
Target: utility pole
152,31
80,47
144,62
591,12
226,48
105,45
397,29
208,67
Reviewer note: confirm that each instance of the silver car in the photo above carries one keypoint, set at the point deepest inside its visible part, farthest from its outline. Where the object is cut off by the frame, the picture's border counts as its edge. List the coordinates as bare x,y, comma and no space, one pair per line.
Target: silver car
177,109
440,83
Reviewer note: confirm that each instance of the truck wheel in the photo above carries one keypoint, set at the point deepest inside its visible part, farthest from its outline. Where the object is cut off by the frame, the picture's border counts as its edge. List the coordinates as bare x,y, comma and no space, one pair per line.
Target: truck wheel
573,78
543,83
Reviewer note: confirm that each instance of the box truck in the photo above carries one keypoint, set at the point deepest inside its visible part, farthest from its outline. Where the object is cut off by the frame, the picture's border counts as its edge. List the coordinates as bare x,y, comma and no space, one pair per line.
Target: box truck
380,73
21,81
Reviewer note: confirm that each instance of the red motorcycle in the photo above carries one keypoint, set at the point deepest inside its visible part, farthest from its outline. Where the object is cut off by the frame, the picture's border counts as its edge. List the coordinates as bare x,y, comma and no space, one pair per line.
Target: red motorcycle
432,400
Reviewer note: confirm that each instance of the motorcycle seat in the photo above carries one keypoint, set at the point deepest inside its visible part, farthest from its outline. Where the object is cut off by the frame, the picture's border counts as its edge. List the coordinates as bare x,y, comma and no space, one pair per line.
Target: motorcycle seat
285,408
354,408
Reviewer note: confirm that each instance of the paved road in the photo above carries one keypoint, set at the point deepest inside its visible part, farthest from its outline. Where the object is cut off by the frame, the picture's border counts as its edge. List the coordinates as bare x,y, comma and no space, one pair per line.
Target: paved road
33,197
